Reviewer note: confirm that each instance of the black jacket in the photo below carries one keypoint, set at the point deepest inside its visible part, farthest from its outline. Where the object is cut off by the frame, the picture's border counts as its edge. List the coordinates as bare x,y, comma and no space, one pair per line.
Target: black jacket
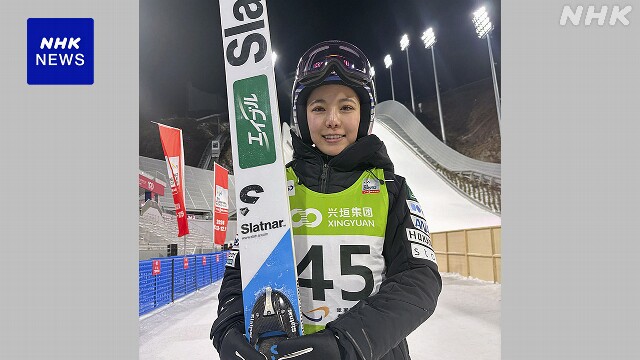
377,327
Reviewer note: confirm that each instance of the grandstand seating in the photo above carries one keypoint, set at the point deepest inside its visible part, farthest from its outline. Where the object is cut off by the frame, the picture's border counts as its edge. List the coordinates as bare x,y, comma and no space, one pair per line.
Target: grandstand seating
155,233
199,186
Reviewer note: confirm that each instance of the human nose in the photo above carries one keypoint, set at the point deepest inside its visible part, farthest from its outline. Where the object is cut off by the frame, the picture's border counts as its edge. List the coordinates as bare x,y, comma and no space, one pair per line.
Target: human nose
333,118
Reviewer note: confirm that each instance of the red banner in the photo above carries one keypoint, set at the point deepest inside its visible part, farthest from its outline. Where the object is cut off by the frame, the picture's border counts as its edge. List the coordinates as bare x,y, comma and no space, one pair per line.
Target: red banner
221,204
185,263
155,269
171,139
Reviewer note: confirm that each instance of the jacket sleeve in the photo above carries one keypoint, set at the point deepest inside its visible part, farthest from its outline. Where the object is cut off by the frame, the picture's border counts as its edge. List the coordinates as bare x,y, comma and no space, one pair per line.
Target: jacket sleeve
230,309
407,296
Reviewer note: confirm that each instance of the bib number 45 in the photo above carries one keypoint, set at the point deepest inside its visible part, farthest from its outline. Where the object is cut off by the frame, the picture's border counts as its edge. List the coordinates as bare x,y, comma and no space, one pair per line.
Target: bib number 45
318,284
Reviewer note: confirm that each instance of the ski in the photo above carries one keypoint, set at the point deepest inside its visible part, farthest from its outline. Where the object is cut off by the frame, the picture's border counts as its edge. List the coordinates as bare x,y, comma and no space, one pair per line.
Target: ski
269,278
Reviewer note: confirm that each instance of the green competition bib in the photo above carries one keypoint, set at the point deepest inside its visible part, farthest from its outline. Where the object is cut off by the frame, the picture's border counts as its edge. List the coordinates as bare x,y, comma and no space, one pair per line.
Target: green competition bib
338,241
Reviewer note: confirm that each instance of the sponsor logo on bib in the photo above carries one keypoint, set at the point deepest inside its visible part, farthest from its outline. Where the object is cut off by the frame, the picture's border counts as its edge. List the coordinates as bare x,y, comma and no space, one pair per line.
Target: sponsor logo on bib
308,217
370,186
316,314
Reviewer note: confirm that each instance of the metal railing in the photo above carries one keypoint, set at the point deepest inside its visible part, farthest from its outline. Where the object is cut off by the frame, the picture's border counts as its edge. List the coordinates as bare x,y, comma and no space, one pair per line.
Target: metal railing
164,280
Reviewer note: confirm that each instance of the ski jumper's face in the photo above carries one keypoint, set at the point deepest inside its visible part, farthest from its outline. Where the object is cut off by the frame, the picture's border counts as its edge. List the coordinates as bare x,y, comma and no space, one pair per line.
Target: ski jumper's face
333,114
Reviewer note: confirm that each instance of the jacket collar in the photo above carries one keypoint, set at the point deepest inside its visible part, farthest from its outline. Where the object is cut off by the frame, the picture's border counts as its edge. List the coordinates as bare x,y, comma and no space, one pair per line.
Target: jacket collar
366,153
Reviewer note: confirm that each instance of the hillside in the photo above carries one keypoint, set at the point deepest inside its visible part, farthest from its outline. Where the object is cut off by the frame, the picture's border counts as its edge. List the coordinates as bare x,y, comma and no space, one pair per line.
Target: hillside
470,120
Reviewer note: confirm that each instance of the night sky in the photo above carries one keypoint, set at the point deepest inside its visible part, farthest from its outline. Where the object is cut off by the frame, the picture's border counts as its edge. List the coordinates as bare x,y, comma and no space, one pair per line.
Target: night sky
181,43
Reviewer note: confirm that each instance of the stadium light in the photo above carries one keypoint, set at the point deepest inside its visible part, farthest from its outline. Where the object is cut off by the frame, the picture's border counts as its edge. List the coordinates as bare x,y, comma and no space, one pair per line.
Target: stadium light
404,42
429,38
482,22
387,64
404,45
387,61
483,28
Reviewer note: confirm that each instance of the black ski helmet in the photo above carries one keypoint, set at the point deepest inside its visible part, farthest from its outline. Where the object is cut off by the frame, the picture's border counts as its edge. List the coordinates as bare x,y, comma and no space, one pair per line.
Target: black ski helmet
332,62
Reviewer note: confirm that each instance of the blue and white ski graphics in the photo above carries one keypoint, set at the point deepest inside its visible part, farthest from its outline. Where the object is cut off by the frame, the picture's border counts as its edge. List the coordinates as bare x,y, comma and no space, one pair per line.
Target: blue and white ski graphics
269,278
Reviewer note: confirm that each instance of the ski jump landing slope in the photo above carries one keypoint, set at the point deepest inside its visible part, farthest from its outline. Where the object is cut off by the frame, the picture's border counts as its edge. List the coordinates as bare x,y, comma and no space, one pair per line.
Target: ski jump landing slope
444,208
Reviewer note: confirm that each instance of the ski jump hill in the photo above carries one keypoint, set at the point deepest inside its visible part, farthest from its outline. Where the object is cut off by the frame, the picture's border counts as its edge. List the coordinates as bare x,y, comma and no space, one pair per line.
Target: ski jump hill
455,191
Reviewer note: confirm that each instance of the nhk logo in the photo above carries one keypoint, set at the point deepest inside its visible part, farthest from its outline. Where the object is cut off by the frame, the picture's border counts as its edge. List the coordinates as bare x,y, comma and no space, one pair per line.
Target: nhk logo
617,14
254,124
308,217
60,51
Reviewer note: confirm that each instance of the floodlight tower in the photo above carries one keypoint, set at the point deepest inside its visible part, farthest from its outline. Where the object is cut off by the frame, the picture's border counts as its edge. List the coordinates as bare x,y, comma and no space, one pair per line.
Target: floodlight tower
483,28
387,64
404,44
429,38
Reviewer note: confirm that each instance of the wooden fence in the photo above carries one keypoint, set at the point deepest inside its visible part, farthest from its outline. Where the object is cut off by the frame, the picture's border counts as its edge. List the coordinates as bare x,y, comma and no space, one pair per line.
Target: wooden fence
471,252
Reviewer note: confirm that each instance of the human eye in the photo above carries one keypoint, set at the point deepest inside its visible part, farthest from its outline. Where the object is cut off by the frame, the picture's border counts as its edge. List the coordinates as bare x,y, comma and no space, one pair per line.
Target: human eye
317,108
347,107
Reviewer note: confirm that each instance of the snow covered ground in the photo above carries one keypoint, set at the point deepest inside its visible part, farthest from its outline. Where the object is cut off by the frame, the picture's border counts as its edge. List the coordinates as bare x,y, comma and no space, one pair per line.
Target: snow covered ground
466,325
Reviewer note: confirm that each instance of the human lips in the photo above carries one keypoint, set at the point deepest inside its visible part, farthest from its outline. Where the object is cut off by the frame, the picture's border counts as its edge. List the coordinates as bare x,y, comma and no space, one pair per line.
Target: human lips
333,137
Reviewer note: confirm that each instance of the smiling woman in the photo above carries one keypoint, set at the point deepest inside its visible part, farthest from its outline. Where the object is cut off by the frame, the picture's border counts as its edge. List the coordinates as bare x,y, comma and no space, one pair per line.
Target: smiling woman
333,114
360,235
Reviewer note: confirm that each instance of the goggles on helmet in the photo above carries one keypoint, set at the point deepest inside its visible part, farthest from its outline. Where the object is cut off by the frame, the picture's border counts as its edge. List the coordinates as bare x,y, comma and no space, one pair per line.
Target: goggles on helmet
345,60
